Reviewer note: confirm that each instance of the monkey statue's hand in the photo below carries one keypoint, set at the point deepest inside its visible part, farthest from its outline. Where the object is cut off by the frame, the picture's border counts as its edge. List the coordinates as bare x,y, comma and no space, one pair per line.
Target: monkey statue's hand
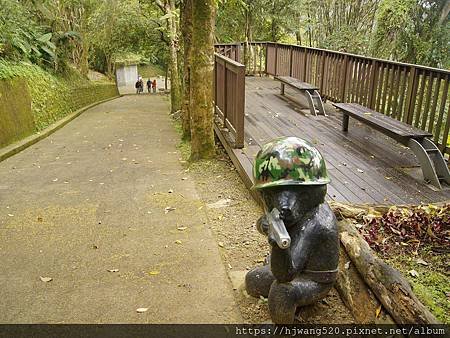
262,225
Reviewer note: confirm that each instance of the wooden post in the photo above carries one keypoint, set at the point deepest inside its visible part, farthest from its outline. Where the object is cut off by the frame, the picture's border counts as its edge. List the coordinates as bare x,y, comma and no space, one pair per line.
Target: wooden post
260,49
322,72
344,87
225,93
411,96
373,81
305,63
267,61
238,53
215,84
290,60
240,107
276,59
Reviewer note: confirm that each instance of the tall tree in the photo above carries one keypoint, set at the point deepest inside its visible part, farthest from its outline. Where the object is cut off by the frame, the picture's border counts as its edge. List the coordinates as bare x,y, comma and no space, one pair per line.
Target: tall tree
202,67
170,15
186,30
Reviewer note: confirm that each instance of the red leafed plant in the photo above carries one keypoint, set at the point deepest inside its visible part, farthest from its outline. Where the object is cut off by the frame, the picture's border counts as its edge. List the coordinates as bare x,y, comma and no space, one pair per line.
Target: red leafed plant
408,226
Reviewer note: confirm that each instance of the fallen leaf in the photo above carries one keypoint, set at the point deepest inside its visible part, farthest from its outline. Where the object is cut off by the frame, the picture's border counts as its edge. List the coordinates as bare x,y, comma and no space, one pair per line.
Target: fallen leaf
421,261
413,273
142,310
55,180
219,204
168,209
46,279
359,170
170,191
395,231
367,113
178,241
388,177
181,228
113,270
221,244
154,273
39,219
10,215
347,265
184,178
377,312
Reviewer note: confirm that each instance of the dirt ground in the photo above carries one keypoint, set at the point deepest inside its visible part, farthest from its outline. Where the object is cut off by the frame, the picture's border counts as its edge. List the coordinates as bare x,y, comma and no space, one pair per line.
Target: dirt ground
241,246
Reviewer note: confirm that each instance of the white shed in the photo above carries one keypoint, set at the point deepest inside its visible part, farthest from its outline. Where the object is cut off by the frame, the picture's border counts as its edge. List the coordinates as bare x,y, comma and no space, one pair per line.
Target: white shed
126,75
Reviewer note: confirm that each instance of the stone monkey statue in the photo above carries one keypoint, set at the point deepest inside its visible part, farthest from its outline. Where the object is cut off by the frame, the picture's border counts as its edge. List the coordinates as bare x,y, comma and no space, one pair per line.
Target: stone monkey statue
291,176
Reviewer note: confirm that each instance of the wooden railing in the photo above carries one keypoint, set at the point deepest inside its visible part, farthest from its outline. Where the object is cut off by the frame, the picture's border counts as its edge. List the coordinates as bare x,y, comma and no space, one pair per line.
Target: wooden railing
229,96
414,94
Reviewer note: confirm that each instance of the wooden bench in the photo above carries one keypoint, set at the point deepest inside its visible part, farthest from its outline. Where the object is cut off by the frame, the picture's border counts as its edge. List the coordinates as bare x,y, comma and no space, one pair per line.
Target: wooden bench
434,167
311,93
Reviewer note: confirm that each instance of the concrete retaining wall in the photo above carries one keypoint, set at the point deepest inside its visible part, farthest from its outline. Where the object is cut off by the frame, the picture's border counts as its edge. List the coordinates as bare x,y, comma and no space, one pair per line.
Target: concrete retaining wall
18,119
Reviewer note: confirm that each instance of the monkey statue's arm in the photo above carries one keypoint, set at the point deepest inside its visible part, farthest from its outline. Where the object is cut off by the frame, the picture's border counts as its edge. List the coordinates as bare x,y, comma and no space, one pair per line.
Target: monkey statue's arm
287,263
262,225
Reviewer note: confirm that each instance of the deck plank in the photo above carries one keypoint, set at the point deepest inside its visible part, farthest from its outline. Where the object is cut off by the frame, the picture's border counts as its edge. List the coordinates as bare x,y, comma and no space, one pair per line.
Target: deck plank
269,115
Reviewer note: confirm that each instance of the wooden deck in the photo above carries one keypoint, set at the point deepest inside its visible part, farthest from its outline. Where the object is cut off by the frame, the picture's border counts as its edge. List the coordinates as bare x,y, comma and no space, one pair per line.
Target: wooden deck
365,166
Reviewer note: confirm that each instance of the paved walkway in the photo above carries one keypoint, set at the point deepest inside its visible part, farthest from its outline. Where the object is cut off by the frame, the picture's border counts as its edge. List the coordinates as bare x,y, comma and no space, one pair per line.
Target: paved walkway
92,198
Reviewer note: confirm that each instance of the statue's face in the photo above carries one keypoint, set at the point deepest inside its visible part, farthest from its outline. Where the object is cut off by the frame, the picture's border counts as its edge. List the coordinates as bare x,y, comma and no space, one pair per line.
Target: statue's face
293,201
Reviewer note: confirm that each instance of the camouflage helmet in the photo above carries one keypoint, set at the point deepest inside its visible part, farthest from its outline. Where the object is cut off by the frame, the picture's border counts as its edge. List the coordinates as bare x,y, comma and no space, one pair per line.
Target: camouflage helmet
289,161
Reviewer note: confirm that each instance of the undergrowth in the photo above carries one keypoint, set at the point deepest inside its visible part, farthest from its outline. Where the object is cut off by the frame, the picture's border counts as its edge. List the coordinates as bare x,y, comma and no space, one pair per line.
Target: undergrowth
416,241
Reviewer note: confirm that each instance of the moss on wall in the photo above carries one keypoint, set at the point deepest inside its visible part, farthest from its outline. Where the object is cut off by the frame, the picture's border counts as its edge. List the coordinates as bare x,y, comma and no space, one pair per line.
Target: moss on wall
31,99
148,71
16,120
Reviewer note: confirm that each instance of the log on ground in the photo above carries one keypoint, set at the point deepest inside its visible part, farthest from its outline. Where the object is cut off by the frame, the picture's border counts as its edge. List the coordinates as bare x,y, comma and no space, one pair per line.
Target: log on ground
387,283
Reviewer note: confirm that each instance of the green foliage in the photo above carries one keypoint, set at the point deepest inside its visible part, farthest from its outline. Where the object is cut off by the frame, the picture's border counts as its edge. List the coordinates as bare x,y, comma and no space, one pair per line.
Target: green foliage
118,27
430,285
414,31
58,33
410,31
21,37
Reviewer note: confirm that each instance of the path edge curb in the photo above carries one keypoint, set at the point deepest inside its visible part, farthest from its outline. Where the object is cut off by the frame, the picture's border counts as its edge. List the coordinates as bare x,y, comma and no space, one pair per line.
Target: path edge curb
17,147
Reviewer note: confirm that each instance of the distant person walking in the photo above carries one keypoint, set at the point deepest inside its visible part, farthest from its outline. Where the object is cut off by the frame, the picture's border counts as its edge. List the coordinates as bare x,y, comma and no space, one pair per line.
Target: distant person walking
139,85
149,85
154,86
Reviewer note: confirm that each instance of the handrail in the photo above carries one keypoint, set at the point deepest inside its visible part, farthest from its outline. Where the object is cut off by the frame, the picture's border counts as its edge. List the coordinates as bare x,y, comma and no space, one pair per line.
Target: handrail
415,94
229,96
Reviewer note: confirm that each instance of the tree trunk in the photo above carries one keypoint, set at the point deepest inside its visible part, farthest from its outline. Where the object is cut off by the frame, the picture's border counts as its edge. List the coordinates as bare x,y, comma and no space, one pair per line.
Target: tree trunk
186,31
165,78
175,82
202,67
84,58
388,284
444,12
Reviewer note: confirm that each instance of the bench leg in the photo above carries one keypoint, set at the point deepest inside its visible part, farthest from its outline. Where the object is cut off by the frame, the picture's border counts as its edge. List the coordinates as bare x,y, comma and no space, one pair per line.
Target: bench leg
282,88
345,119
319,102
312,108
426,163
